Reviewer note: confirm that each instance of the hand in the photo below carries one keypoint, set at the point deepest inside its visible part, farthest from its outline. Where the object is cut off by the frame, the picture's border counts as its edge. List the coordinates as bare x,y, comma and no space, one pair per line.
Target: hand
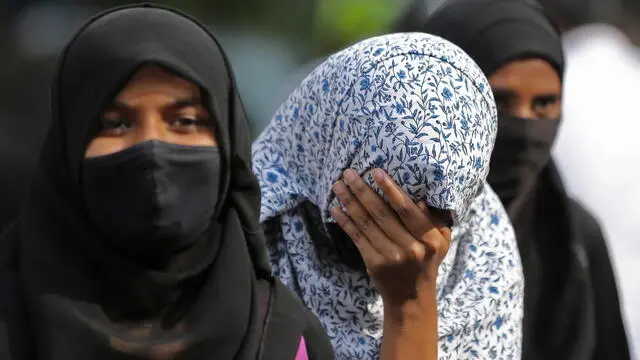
400,243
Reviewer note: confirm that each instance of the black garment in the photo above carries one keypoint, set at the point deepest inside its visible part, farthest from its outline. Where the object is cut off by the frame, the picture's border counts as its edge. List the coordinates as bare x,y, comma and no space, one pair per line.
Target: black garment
494,32
15,167
571,301
68,291
572,309
521,152
141,205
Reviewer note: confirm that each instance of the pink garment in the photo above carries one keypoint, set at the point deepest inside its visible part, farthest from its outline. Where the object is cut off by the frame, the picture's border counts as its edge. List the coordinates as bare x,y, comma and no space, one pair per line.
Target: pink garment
302,351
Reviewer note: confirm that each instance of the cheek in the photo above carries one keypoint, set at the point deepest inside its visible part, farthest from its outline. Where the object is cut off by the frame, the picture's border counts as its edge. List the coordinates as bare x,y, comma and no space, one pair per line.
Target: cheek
555,111
105,146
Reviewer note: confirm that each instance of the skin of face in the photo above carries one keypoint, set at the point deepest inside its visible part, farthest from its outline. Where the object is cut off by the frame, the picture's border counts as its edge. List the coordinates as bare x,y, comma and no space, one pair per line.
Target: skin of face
154,105
528,88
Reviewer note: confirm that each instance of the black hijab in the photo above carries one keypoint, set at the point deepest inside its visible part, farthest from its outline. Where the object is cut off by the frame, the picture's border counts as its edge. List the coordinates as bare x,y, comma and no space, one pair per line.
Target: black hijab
495,32
83,297
563,319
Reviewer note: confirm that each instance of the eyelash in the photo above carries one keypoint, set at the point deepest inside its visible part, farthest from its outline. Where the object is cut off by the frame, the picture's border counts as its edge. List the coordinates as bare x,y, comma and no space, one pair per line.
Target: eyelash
544,103
120,125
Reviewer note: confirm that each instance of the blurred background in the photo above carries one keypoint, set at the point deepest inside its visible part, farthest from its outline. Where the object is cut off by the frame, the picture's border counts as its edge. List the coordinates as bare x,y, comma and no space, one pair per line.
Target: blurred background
272,45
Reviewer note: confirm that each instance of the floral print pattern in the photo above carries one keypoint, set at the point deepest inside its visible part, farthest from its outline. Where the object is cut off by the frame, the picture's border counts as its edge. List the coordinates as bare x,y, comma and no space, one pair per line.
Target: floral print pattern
419,107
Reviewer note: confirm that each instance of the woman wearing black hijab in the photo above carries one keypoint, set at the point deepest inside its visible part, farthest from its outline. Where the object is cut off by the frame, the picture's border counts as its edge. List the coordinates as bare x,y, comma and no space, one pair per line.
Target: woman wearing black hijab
571,302
140,237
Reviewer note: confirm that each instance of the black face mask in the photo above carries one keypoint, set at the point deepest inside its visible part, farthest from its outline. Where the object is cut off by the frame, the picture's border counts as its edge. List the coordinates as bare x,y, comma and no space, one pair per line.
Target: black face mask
522,150
153,199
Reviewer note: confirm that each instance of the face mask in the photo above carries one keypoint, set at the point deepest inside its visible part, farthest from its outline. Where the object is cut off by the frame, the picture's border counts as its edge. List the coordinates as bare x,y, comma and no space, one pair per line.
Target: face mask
522,150
154,198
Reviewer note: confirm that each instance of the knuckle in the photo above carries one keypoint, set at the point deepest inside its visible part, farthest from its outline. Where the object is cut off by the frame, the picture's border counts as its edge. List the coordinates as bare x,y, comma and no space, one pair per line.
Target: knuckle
403,210
358,187
364,222
416,251
357,235
432,241
381,214
397,257
345,198
343,222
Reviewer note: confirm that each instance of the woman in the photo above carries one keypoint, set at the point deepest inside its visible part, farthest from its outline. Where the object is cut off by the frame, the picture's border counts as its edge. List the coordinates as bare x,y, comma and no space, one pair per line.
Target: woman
571,301
418,108
140,237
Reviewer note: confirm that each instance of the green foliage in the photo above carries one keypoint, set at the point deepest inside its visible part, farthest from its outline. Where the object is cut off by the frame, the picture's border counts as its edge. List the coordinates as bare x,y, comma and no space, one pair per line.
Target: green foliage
342,22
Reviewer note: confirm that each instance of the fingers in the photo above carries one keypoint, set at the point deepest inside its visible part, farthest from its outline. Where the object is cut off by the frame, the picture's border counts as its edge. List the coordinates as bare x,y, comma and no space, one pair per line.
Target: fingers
416,220
377,220
382,214
371,201
366,225
438,244
440,224
369,254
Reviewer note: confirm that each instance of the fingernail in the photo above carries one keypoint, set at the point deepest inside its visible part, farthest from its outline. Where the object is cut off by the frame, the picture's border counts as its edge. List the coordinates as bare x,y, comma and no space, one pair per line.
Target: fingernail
378,175
349,176
338,188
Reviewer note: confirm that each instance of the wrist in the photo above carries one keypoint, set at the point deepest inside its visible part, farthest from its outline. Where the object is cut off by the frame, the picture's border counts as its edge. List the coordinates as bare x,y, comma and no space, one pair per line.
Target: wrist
420,308
411,328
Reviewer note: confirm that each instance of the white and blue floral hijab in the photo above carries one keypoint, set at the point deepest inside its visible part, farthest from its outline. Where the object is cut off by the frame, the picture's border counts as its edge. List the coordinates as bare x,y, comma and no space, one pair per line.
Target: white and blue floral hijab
419,107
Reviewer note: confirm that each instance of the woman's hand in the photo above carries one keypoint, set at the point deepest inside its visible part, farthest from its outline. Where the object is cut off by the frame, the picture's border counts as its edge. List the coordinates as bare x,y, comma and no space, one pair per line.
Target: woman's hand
402,248
401,245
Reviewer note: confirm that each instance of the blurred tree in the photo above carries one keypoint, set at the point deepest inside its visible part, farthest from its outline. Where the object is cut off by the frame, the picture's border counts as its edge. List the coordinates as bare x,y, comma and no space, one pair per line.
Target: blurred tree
339,23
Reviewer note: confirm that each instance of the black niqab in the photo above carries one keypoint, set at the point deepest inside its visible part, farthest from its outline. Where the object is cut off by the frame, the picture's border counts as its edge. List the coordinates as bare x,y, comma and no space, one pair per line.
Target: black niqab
84,298
565,318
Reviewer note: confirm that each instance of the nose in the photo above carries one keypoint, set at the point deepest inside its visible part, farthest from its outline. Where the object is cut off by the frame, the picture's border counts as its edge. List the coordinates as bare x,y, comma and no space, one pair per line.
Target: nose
524,111
150,126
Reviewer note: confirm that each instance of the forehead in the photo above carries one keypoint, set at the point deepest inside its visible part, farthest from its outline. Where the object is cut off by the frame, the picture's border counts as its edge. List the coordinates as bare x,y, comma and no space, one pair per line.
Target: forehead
530,75
154,80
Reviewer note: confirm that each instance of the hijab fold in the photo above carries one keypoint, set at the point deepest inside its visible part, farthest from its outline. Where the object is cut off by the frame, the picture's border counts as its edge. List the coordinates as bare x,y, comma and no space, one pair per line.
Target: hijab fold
418,107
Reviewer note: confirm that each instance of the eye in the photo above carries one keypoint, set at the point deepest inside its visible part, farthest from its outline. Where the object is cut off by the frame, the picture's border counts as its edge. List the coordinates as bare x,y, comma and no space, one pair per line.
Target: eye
543,102
114,126
503,102
184,122
188,123
547,107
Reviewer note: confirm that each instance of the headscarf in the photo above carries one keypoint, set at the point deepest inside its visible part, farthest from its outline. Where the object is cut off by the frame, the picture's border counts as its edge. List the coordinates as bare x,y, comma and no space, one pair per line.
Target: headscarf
559,297
494,33
71,279
417,106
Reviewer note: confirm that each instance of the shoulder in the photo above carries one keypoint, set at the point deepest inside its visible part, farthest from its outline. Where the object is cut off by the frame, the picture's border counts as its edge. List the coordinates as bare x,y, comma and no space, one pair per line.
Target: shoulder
583,221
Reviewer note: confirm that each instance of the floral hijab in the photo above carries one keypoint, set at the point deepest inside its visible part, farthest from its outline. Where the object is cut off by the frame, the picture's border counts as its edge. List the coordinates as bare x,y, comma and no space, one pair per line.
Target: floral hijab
420,108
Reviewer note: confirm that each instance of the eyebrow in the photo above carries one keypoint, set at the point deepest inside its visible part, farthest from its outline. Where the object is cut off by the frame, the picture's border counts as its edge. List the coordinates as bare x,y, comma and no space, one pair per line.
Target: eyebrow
547,96
503,92
193,101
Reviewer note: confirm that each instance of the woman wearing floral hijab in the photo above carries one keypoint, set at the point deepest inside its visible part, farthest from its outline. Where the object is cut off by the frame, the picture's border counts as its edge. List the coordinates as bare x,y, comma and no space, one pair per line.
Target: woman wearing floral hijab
411,108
